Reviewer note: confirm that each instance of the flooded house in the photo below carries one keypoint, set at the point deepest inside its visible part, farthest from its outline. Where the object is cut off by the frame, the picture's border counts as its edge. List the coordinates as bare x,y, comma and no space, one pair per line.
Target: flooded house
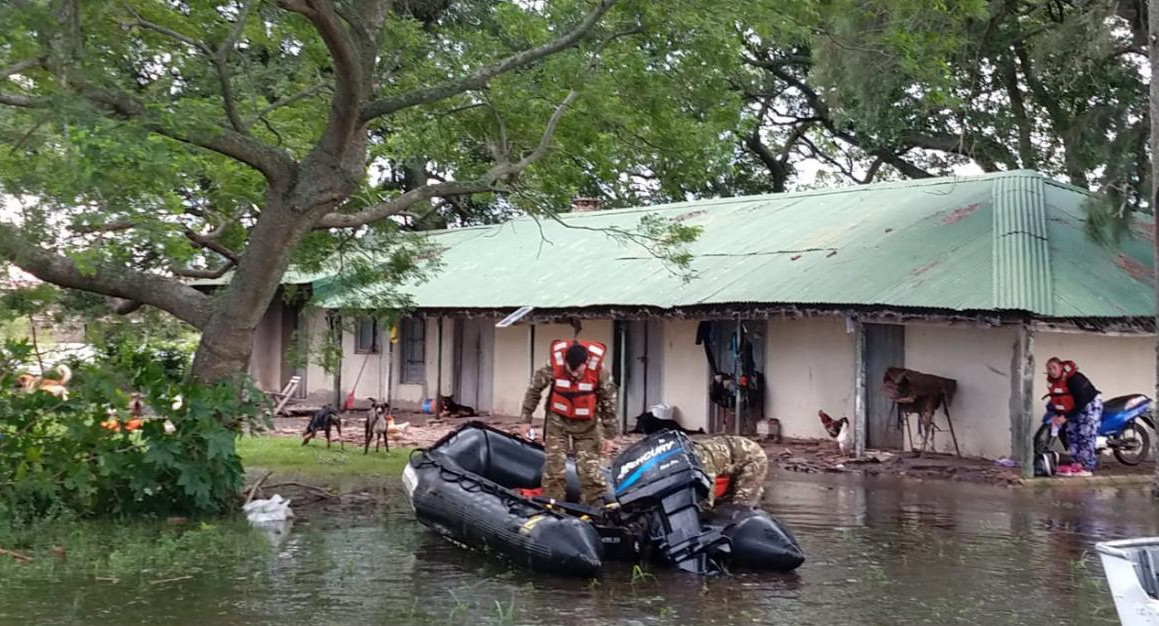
798,303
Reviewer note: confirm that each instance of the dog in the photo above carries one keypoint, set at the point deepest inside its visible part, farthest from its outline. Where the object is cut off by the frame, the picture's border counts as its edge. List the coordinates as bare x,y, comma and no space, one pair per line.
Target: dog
452,409
376,421
54,386
646,424
324,420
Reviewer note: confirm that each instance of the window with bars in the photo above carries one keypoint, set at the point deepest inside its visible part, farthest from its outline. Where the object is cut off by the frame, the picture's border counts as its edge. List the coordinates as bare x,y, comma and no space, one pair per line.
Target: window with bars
413,347
366,336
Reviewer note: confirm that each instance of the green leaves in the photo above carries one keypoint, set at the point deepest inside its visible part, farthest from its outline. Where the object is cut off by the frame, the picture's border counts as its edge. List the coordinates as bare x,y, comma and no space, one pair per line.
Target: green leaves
89,456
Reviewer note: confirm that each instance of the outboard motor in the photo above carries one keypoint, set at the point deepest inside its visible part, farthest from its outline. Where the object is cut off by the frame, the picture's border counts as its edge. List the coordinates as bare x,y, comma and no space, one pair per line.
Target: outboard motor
660,480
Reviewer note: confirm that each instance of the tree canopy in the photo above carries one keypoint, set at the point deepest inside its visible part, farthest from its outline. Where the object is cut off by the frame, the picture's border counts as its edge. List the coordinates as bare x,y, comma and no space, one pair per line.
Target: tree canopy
154,141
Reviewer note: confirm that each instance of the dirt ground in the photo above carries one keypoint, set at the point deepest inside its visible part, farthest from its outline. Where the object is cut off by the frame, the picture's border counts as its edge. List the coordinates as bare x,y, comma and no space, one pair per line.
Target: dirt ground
790,455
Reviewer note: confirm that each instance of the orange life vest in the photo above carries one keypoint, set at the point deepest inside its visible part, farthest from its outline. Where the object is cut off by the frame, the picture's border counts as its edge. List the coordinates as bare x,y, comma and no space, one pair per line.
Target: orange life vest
571,398
1061,398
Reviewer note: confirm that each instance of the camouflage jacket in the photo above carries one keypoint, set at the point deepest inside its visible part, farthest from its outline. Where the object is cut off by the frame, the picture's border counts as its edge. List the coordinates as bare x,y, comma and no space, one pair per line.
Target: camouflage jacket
605,398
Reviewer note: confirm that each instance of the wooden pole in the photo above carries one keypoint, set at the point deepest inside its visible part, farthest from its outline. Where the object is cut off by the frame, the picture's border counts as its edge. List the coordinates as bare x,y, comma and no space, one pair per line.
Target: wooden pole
860,401
736,380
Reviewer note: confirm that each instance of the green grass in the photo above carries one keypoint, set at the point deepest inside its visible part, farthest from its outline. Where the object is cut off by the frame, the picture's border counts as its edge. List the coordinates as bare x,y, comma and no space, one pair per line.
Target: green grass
287,455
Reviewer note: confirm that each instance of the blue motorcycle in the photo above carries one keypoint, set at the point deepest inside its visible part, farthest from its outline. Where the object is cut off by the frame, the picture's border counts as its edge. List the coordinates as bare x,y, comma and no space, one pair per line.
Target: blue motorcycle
1120,430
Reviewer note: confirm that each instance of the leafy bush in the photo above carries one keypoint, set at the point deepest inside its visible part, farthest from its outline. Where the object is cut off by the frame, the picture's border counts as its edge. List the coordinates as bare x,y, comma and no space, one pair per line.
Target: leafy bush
86,456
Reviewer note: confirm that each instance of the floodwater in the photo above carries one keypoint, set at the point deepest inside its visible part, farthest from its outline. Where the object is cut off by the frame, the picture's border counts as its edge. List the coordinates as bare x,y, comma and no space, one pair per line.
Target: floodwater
880,551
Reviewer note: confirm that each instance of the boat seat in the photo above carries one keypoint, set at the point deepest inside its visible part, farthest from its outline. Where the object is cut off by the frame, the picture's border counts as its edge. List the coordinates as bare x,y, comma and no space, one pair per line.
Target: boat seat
1147,569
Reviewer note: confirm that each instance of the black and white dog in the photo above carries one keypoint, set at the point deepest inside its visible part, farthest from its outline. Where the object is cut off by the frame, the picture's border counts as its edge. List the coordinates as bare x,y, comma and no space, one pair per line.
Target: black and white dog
647,423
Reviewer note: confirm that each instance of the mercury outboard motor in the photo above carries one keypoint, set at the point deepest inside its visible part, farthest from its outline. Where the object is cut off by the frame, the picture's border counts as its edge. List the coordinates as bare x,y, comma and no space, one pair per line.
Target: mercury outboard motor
660,480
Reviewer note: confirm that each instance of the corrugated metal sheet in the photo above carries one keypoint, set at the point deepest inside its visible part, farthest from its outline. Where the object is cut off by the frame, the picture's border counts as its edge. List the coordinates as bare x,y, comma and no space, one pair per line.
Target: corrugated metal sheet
1021,246
961,244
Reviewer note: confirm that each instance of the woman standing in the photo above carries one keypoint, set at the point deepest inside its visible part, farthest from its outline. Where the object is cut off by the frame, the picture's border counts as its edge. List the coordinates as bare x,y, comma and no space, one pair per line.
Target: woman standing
1076,403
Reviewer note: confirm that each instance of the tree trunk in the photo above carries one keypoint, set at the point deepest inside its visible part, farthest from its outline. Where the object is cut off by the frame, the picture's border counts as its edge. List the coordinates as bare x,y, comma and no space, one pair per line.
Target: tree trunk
1153,49
227,339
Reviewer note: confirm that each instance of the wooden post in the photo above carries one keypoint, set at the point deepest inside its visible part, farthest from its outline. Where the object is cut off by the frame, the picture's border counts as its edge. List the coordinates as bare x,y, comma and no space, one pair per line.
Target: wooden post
736,374
336,328
621,330
437,401
860,398
1022,401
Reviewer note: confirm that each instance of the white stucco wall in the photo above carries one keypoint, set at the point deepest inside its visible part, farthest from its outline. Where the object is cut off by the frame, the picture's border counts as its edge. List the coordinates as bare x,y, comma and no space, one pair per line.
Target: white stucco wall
685,374
511,368
979,359
266,357
319,383
371,382
810,366
411,396
1116,365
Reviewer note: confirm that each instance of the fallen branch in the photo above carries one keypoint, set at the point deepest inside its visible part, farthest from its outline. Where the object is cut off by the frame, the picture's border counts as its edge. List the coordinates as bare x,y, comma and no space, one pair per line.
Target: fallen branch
257,485
169,580
16,555
319,490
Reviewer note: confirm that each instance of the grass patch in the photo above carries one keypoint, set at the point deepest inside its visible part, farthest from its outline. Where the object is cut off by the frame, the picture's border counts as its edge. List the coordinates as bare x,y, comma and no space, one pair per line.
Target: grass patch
287,455
132,551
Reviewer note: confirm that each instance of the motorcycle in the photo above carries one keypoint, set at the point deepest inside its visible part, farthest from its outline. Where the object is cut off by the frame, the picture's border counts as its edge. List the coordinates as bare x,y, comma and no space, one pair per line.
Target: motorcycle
1119,431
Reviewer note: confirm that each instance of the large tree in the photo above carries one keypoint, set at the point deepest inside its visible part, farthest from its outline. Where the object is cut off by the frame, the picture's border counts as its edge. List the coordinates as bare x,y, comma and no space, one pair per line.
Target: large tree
904,88
153,141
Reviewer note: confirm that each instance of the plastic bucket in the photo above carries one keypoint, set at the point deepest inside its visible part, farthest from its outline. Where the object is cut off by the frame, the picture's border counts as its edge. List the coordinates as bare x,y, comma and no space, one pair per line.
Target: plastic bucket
429,406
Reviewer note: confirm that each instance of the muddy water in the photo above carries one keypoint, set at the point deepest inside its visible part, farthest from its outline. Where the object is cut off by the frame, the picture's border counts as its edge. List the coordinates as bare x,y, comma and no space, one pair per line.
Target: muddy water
880,552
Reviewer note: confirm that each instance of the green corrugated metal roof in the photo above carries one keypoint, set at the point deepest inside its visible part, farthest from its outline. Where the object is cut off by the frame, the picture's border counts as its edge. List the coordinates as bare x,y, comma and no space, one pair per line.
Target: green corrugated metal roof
1009,241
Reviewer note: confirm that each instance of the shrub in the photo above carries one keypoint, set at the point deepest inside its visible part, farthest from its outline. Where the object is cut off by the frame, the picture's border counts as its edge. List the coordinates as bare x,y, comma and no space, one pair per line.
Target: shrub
86,456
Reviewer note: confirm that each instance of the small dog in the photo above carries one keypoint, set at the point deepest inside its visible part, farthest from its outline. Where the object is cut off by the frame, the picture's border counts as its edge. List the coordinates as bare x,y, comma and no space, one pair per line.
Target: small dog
837,429
55,386
452,409
324,420
646,424
376,421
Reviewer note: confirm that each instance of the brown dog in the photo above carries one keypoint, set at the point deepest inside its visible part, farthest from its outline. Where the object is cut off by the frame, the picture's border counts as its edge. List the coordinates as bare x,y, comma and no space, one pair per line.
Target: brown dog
55,386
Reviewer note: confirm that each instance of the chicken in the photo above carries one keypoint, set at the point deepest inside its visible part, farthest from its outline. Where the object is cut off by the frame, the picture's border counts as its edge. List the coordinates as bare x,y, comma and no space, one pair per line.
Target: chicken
831,425
396,431
838,429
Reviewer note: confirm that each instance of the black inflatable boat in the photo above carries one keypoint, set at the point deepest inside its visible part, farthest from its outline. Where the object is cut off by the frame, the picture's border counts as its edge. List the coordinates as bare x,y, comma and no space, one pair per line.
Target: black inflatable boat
470,488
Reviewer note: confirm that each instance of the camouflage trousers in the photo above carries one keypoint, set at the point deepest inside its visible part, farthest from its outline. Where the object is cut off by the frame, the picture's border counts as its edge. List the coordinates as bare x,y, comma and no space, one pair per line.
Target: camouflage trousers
748,480
586,436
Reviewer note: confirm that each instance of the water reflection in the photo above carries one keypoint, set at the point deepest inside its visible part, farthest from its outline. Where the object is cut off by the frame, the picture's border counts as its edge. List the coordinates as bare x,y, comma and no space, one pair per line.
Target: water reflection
880,551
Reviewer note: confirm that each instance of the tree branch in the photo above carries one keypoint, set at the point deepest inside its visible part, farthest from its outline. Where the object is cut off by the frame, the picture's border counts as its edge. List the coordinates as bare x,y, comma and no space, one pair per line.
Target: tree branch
273,163
184,302
111,227
210,242
204,274
479,78
348,71
20,66
502,171
309,91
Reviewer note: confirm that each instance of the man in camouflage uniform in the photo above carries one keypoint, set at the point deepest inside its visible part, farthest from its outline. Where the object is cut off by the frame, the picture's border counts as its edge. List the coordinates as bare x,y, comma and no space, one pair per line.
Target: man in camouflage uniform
742,460
588,434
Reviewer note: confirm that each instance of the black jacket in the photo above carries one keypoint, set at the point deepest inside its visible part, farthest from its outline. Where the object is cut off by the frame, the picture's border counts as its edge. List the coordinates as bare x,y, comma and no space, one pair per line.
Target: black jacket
1083,391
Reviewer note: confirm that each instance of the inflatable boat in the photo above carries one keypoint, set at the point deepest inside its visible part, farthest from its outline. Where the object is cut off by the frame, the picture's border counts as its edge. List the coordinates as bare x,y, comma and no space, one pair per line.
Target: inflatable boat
476,488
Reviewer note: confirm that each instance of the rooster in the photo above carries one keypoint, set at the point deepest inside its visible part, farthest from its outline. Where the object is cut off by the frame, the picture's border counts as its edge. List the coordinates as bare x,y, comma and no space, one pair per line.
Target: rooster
837,428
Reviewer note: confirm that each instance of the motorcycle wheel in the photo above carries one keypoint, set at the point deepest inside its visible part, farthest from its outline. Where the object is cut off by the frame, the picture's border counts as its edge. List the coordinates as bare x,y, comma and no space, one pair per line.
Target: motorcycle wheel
1134,436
